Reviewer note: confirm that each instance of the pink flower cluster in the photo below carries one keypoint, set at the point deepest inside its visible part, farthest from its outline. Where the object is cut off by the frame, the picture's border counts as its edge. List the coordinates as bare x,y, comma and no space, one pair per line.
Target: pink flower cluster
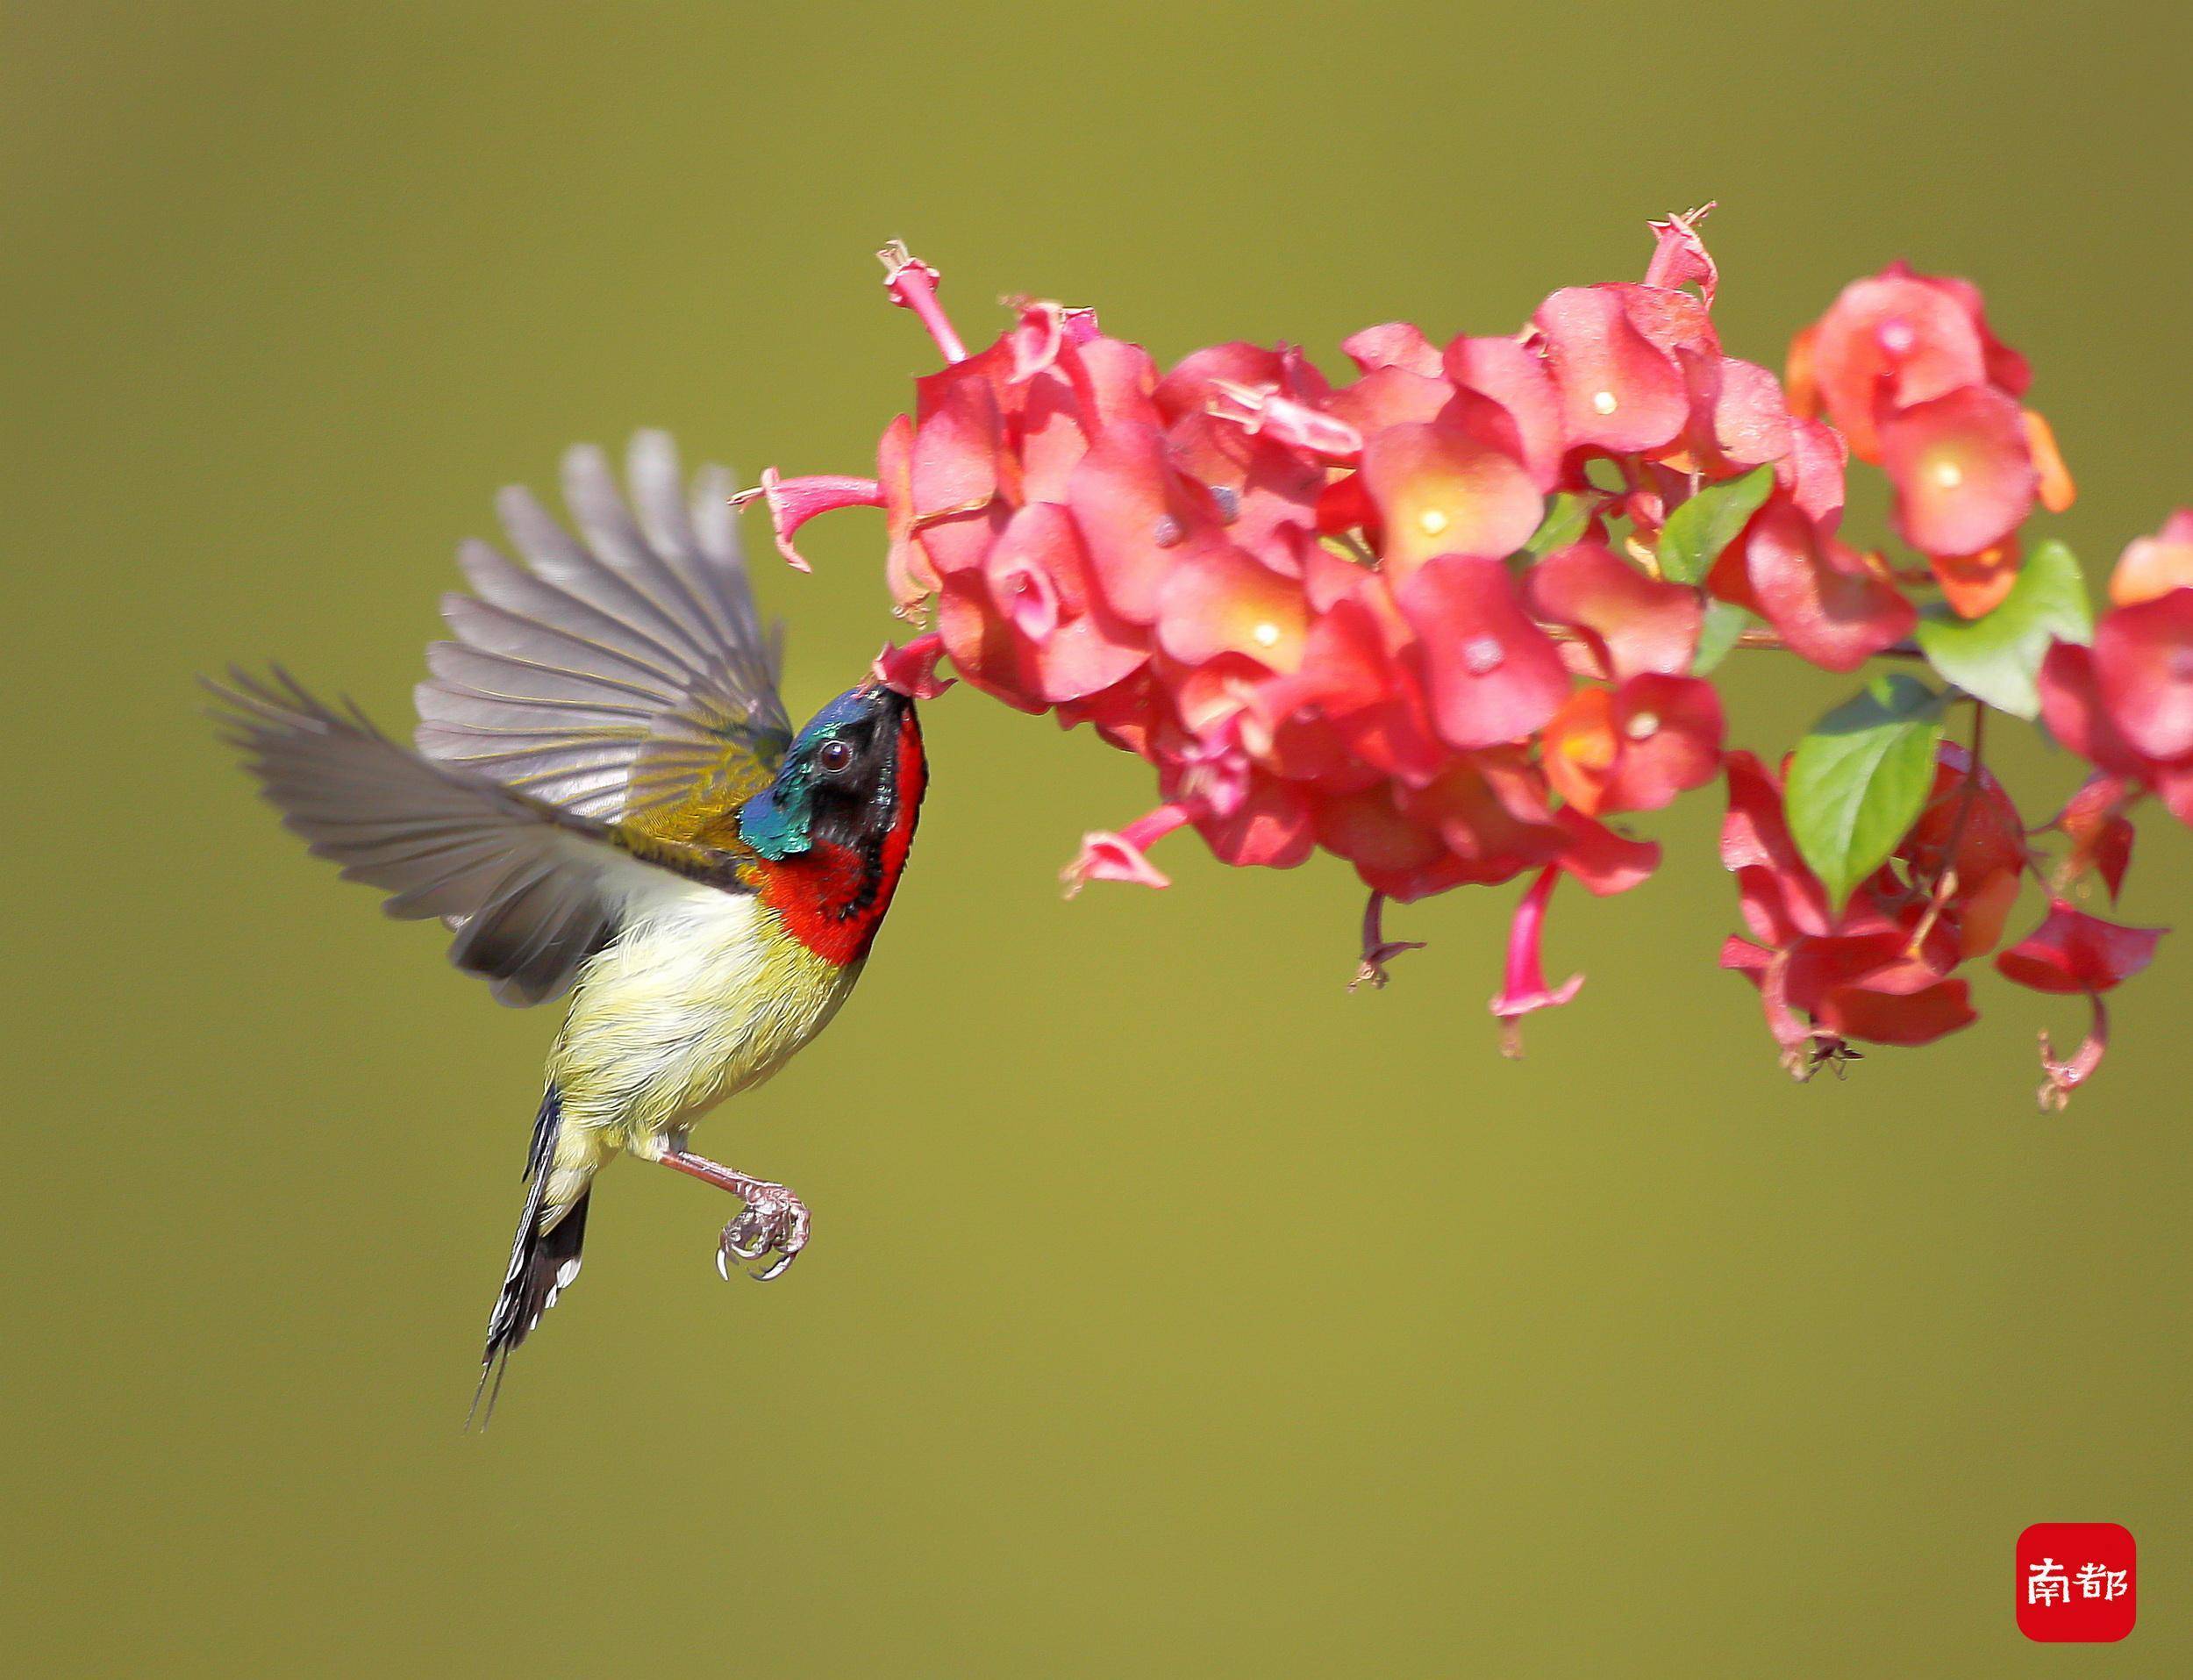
1442,616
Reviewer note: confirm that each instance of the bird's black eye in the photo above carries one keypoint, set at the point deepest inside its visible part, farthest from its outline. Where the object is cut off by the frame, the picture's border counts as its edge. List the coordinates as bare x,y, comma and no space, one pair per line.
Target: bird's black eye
835,758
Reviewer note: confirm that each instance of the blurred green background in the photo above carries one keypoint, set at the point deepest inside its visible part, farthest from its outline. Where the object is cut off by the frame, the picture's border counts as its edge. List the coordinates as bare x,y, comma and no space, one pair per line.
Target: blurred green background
1172,1310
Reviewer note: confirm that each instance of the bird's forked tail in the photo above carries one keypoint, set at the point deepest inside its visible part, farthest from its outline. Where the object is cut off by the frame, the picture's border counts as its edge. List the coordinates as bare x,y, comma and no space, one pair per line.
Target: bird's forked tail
543,1262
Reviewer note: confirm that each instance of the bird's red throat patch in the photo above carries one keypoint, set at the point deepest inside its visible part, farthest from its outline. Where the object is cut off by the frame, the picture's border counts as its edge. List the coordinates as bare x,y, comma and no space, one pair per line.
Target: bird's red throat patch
832,897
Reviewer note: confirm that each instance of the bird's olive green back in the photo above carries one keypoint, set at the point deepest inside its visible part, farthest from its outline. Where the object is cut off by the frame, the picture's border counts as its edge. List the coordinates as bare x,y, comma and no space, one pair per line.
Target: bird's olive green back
1170,1310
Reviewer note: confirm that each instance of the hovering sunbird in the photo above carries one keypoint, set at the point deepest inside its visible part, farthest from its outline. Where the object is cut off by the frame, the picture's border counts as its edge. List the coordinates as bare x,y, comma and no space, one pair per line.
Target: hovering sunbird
604,798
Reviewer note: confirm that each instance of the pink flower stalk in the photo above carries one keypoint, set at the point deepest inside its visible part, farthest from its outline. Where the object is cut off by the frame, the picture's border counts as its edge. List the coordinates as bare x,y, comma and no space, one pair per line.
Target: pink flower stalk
1106,856
2060,1077
912,284
1525,989
793,502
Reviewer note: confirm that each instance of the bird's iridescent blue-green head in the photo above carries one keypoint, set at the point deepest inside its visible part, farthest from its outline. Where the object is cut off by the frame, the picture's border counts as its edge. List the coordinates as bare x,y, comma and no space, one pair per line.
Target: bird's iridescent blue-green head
844,778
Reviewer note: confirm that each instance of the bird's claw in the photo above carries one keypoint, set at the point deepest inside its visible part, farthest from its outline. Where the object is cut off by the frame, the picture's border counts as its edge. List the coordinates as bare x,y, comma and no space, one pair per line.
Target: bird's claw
775,1222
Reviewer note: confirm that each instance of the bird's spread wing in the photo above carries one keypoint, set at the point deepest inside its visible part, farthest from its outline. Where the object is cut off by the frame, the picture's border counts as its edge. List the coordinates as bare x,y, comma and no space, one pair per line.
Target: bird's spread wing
531,890
621,674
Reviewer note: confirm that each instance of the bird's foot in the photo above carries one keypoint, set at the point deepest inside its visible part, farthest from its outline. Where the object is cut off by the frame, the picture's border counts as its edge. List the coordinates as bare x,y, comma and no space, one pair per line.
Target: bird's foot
775,1222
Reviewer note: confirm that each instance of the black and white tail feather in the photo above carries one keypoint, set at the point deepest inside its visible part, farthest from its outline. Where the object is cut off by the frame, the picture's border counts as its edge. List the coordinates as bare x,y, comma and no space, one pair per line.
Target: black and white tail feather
543,1263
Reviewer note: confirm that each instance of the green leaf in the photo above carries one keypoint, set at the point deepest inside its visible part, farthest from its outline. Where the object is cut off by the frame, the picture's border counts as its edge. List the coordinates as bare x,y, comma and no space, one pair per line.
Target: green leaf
1724,622
1566,516
1697,532
1998,657
1859,780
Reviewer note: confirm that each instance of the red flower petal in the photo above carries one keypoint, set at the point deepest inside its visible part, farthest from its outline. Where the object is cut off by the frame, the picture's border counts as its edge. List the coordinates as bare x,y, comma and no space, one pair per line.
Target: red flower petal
1492,675
1819,595
2143,659
1439,490
1679,255
1404,858
912,670
1668,732
1217,600
2071,706
1912,1018
2072,952
959,456
1604,861
1812,473
1505,373
1964,477
1269,828
2101,835
1892,338
908,570
1196,381
1389,396
1751,421
1395,345
1069,643
2154,565
1113,382
1137,516
983,646
1635,623
1619,392
1782,898
1490,809
1974,585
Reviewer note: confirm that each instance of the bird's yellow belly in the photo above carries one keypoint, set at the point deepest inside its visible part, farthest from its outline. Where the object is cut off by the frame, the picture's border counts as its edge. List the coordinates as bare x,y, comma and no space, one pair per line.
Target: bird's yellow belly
706,998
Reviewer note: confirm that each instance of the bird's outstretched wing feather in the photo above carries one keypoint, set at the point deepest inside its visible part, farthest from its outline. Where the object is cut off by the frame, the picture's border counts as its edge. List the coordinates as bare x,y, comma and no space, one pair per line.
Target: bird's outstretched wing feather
621,673
531,889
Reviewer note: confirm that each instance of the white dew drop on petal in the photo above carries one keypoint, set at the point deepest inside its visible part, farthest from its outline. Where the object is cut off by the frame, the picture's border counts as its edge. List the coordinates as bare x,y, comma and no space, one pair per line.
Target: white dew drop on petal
1642,726
1266,635
1432,521
1482,655
1603,402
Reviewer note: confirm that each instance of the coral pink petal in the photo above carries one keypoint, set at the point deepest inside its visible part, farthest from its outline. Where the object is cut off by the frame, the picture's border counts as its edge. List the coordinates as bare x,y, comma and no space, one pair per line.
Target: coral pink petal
1641,624
1679,255
2143,659
1505,373
1619,391
2074,952
1217,600
2154,565
1891,337
1963,472
1825,601
912,670
1439,490
1492,675
1395,345
1135,516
